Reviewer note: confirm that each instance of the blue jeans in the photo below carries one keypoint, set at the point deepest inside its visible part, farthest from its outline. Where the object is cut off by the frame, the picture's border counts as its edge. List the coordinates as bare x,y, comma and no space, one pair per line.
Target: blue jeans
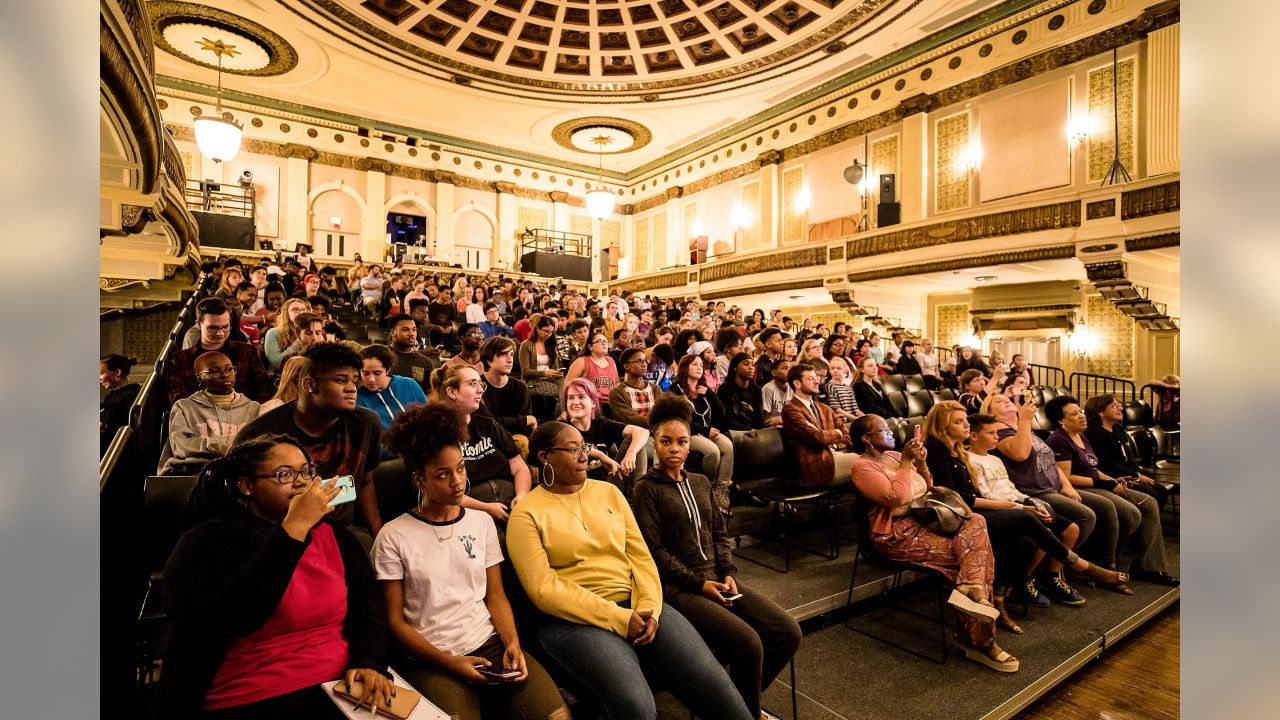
613,669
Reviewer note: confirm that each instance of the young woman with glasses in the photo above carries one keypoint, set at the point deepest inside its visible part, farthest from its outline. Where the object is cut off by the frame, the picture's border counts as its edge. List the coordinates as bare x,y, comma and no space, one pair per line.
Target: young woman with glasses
595,365
267,601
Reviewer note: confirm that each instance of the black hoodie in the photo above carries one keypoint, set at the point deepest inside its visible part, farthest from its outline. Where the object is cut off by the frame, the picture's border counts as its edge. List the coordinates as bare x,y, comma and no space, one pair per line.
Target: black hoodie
687,538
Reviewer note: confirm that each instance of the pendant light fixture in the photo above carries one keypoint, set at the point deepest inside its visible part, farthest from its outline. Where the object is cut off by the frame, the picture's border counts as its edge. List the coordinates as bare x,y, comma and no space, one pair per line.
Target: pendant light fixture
216,136
600,200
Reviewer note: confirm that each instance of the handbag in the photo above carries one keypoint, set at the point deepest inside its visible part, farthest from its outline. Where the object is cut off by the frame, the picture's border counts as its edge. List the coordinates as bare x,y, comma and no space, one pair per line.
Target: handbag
941,511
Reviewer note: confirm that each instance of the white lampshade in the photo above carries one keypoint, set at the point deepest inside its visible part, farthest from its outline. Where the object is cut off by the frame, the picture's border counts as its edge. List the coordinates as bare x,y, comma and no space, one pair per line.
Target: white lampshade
600,203
217,138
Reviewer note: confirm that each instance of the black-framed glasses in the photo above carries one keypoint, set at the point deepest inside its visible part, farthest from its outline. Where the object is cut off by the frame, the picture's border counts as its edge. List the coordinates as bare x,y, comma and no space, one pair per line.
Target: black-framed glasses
580,453
285,475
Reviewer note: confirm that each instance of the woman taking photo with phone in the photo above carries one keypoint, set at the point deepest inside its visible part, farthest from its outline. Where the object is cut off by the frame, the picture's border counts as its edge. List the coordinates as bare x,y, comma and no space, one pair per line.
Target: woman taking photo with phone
439,566
690,545
267,601
583,561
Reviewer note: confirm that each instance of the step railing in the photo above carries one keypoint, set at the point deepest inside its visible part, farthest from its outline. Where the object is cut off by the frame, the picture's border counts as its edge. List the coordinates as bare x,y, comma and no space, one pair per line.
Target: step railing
1086,385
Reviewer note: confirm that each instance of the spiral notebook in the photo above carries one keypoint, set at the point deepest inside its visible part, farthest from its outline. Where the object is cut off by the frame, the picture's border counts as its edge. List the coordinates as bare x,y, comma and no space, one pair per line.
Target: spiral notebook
425,709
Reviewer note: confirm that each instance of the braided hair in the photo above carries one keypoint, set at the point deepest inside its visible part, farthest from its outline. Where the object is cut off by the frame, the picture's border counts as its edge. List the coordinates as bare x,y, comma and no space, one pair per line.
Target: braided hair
217,495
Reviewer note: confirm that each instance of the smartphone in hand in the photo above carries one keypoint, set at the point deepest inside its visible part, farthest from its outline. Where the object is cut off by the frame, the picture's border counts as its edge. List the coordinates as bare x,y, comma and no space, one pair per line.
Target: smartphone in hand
348,485
497,675
916,434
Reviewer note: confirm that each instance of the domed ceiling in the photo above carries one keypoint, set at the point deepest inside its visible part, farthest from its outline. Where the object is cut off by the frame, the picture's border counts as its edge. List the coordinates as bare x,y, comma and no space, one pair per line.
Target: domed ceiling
593,47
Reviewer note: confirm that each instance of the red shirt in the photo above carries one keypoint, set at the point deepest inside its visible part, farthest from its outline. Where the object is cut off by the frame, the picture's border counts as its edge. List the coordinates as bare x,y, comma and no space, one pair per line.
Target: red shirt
301,644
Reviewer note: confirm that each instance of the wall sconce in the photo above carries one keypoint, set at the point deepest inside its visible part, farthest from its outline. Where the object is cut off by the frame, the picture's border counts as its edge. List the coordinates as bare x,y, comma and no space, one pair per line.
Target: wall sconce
336,222
971,158
1079,129
802,200
1083,342
738,217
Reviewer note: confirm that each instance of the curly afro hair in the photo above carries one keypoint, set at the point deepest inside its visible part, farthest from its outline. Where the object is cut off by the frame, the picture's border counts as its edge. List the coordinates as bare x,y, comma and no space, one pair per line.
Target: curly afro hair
670,407
419,433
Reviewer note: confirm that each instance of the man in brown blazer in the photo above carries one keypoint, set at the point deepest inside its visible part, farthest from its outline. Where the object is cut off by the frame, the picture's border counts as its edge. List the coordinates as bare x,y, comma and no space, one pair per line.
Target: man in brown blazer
819,443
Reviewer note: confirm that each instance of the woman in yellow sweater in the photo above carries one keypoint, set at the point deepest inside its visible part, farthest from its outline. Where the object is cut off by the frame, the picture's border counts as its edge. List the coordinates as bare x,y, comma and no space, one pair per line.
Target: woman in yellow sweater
582,560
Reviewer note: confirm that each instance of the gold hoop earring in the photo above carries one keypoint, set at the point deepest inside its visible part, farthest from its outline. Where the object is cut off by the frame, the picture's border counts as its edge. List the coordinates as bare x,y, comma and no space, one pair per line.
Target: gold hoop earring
548,475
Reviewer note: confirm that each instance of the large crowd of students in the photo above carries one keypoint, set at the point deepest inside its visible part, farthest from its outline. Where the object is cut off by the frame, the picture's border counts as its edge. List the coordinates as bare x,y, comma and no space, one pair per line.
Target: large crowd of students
545,434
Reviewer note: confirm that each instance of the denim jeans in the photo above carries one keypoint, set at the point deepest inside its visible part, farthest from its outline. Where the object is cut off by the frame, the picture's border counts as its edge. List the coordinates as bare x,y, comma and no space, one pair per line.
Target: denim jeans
614,669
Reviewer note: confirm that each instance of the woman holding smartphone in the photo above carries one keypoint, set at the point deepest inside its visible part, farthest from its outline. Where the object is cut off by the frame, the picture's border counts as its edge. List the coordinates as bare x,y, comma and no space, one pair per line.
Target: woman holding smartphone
268,601
439,566
690,545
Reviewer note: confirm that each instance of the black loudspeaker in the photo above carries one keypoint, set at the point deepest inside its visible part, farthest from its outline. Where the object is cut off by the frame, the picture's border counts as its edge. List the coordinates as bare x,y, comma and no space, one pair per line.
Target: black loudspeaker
888,213
225,231
561,265
888,189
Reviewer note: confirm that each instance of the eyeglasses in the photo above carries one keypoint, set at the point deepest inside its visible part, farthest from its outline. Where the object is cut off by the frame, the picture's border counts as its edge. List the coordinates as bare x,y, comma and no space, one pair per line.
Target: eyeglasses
579,453
475,383
286,475
217,329
219,372
474,334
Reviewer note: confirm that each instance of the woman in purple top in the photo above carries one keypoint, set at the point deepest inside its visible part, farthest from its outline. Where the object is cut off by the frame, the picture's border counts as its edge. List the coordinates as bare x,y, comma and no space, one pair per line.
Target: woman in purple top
1137,516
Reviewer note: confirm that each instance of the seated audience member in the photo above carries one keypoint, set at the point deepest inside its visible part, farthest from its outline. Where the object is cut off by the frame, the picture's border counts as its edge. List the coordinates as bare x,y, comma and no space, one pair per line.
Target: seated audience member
289,385
475,310
472,339
251,323
267,601
280,338
492,325
202,426
907,363
1030,464
499,476
446,608
820,444
740,396
889,482
710,434
1110,442
442,309
772,342
661,367
371,289
410,362
948,373
840,395
540,363
321,305
868,392
928,360
1021,368
572,342
727,345
973,389
214,320
583,561
309,329
811,350
1137,514
385,394
113,412
595,365
776,394
621,466
790,350
631,399
1019,532
340,437
506,398
690,545
1015,386
710,375
971,359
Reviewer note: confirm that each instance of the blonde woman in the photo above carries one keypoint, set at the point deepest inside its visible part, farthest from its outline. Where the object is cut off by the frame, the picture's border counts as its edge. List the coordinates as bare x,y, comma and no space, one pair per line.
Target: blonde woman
280,337
287,390
811,350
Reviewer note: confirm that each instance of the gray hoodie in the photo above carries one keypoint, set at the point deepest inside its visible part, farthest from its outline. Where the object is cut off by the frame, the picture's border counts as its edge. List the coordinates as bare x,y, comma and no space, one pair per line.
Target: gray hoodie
200,431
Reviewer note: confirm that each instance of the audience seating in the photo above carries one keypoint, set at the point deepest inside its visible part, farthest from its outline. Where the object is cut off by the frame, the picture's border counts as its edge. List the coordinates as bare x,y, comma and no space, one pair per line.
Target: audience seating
918,403
764,473
1138,414
893,383
393,483
377,335
913,383
898,401
164,502
937,396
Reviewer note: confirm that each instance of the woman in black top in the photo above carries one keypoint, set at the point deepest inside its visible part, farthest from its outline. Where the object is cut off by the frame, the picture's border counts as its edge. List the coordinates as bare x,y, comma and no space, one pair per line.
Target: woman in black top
113,413
1112,445
740,395
691,548
268,601
973,390
1020,533
629,461
969,358
710,433
907,363
868,391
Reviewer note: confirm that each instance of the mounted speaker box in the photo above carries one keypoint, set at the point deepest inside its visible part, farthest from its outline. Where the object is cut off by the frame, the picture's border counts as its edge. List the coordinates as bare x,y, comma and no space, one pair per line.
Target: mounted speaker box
888,213
888,189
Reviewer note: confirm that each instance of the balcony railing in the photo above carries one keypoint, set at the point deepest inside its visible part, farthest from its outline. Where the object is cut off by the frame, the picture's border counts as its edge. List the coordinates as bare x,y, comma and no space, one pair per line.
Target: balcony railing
221,198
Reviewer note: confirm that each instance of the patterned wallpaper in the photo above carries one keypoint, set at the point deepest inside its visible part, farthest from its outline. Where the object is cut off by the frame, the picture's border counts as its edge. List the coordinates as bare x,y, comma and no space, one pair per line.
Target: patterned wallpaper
951,322
884,161
640,263
145,335
580,224
658,244
610,233
528,217
751,207
793,216
1114,331
951,141
1102,143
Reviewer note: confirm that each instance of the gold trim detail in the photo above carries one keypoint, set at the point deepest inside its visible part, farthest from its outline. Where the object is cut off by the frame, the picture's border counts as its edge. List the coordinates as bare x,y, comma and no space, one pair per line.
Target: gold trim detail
789,260
1100,209
776,287
1051,252
1154,200
1011,222
1153,242
280,54
677,278
640,135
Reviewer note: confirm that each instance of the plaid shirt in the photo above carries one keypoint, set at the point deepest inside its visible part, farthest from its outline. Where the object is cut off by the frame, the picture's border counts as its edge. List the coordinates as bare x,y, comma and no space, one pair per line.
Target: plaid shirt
641,399
251,376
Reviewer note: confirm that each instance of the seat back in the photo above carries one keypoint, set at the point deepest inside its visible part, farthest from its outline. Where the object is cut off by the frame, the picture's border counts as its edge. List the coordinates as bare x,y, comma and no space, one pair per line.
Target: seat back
1047,393
1166,443
893,383
394,485
914,383
918,403
909,426
1138,414
164,503
897,401
1145,445
759,454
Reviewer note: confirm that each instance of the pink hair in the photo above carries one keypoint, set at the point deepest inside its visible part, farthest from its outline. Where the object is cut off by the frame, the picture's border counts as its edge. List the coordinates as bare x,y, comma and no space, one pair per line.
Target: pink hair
586,387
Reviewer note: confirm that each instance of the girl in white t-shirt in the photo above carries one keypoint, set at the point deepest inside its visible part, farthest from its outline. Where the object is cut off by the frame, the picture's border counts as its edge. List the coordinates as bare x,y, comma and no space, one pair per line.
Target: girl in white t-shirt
439,568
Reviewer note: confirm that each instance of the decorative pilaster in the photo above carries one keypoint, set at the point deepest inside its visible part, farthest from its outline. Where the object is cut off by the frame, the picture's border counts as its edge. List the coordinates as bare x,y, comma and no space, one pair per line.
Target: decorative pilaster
297,186
444,213
373,228
770,206
913,176
1163,101
504,245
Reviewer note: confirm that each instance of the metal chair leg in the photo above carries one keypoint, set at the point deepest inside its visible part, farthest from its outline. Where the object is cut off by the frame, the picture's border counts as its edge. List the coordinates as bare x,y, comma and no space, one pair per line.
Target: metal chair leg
795,705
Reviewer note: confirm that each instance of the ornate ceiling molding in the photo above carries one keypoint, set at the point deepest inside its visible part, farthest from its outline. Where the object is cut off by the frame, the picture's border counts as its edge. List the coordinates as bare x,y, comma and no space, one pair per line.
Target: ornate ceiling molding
1051,252
640,135
169,14
127,74
1153,242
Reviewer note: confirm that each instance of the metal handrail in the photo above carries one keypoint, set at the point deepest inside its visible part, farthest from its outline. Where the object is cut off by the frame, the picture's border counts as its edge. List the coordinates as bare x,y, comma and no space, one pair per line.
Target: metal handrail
1048,375
1086,385
115,451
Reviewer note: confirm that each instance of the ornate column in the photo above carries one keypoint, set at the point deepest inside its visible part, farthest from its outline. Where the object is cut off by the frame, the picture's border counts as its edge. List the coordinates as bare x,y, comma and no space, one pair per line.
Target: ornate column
504,243
914,178
373,227
444,213
297,188
770,210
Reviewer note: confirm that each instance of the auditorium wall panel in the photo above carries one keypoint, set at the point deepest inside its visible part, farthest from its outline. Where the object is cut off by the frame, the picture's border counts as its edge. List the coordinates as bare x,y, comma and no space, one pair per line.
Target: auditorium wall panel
1024,141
